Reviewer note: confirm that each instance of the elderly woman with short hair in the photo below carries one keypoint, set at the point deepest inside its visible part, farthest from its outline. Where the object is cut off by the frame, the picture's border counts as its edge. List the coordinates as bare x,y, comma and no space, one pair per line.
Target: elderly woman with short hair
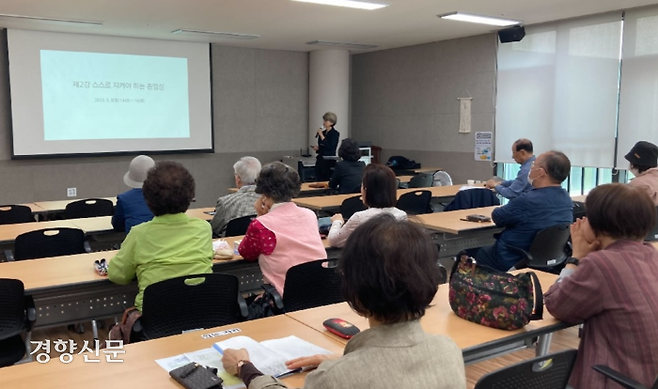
327,142
611,284
283,235
390,276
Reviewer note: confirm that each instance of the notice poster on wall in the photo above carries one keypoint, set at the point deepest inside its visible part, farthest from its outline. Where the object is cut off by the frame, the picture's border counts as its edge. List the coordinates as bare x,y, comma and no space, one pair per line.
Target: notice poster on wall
483,146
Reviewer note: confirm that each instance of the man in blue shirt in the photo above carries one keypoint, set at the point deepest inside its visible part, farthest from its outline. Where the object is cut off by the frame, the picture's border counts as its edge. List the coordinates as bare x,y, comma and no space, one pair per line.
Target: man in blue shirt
522,154
546,205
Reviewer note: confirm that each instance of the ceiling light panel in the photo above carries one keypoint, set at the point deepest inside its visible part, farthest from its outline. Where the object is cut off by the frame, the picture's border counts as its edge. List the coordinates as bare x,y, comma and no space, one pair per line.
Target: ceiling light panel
479,19
347,3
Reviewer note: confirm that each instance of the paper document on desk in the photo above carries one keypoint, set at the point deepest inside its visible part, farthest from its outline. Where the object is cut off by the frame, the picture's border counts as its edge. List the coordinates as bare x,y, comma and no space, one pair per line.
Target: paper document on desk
469,187
270,356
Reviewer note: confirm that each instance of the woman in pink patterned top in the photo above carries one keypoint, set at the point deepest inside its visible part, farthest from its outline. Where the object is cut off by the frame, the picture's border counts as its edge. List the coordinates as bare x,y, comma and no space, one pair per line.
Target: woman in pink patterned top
283,235
611,284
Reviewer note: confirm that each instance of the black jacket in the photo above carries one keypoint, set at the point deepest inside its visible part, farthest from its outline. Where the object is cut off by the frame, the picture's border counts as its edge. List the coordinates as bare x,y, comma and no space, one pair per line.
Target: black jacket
347,176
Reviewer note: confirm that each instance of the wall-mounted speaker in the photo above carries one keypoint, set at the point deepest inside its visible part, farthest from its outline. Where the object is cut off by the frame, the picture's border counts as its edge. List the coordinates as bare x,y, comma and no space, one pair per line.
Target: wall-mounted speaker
512,34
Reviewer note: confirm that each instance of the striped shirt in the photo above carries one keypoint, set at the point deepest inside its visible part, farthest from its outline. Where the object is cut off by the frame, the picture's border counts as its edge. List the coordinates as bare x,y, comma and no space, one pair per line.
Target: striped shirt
615,293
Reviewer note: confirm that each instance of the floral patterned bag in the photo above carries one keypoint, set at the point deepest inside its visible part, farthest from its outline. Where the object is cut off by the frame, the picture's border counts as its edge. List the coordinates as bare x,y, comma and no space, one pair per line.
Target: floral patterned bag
492,298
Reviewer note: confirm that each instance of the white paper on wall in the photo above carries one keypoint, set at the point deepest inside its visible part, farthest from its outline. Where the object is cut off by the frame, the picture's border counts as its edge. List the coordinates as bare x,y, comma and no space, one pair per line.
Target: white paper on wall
465,115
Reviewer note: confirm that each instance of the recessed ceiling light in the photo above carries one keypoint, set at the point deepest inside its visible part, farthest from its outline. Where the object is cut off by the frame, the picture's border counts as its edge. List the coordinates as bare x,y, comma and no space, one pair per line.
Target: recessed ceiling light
347,45
361,4
55,20
471,18
217,34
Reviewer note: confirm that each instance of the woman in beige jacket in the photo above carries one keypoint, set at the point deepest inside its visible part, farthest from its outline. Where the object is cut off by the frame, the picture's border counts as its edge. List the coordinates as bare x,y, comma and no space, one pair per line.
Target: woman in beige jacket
390,276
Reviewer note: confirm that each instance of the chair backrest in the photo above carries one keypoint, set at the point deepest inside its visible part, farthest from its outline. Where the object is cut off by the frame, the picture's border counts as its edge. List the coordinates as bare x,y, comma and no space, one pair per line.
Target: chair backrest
312,284
421,181
472,198
548,246
89,208
548,371
238,226
12,214
49,242
578,210
415,203
12,307
442,178
653,234
189,302
350,206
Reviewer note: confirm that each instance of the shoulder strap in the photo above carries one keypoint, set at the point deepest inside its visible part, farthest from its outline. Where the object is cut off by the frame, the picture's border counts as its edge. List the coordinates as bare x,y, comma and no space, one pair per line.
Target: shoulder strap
539,298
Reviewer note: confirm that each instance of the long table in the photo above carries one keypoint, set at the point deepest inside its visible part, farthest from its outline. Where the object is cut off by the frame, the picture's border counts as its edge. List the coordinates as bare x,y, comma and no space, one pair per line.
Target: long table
328,203
320,187
66,289
139,369
477,342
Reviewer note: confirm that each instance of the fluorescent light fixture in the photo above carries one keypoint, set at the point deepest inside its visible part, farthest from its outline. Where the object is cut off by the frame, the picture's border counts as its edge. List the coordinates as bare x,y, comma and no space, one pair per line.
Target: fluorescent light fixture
361,4
471,18
56,20
217,34
347,45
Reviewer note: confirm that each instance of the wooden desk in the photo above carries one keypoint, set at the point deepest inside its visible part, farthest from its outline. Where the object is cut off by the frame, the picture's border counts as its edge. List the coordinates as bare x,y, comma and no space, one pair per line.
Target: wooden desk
324,203
139,369
451,221
66,289
426,170
200,213
476,341
307,190
9,232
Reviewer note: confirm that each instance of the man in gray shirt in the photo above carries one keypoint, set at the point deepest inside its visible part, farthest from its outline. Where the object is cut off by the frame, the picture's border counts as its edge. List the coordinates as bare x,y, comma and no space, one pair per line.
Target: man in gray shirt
241,203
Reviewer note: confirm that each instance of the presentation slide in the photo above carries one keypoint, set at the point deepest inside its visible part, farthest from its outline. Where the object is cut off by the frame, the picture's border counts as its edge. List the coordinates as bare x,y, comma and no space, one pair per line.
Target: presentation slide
86,95
113,96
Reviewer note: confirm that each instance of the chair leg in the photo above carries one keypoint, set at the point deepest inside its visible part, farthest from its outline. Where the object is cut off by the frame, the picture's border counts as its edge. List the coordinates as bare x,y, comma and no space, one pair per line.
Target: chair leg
28,348
543,344
94,329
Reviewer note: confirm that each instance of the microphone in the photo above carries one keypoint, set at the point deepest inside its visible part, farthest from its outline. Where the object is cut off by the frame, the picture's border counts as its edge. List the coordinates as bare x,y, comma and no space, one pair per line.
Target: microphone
316,134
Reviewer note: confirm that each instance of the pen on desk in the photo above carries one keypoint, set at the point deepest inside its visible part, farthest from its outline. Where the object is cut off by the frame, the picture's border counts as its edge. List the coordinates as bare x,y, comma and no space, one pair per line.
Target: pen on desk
289,372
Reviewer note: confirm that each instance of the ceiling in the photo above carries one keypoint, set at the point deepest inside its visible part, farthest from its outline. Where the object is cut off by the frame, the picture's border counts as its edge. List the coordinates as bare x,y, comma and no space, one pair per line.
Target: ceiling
288,25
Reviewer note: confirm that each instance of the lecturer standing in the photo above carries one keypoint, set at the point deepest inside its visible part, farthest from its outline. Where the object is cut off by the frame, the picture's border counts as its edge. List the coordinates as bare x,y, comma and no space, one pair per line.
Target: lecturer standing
327,143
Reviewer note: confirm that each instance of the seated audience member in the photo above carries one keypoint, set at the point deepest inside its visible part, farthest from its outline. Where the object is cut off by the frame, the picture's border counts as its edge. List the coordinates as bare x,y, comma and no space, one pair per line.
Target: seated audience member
644,159
390,277
379,194
241,203
131,208
172,244
522,154
611,285
348,172
283,235
546,205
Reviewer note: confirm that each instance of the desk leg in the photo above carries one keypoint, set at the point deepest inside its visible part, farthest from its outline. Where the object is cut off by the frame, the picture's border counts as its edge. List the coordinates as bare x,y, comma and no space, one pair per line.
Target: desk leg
543,345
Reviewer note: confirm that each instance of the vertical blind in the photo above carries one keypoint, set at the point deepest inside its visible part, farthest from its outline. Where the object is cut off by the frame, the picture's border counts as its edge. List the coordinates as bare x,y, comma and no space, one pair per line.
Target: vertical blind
638,104
558,87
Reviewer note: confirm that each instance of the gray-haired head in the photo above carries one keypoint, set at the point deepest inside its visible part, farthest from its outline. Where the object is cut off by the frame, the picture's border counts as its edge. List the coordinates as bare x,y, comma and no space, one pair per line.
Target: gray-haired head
247,169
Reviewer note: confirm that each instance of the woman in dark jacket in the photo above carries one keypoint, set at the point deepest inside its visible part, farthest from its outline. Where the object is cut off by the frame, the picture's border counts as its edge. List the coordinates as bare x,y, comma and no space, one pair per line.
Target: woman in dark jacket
348,172
327,143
